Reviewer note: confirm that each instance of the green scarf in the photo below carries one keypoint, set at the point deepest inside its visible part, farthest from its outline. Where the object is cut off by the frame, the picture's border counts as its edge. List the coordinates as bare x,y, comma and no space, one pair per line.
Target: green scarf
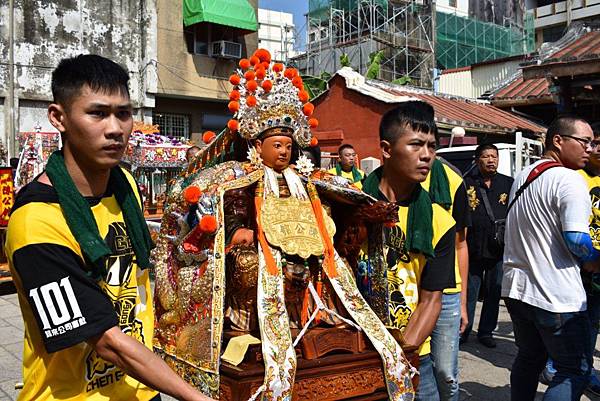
439,187
419,227
356,175
82,224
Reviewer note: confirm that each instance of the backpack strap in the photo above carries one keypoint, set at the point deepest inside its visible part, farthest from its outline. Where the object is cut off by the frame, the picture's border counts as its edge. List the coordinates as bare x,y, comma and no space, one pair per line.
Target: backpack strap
533,174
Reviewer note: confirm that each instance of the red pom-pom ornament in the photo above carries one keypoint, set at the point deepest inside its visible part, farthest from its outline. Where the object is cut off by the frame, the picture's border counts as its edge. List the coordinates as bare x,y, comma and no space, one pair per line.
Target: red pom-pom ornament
303,96
308,109
261,74
251,101
297,82
233,106
290,73
234,95
263,55
192,194
233,125
208,136
234,79
244,64
254,60
267,86
208,224
251,85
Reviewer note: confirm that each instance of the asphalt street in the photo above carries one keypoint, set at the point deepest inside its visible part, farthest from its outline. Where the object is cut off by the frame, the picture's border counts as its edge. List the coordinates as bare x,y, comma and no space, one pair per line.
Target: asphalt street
484,372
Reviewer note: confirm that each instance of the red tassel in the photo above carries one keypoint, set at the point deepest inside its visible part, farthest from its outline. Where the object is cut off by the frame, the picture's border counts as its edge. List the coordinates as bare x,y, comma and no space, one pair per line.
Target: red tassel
304,314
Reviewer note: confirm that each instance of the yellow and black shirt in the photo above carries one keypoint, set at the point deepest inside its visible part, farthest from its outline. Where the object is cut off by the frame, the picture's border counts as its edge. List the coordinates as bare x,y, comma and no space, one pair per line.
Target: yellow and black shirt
350,176
410,272
591,281
460,212
63,307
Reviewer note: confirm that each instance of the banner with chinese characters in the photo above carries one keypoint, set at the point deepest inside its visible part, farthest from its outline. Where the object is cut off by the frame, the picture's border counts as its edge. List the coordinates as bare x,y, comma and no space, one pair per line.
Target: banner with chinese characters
6,193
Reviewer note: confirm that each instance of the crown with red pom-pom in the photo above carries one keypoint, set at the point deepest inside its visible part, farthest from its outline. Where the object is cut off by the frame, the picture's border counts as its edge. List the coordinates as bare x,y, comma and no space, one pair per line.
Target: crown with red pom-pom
268,95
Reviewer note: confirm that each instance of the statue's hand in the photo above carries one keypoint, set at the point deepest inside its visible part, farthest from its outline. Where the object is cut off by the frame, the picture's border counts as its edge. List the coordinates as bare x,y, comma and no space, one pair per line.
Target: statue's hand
243,236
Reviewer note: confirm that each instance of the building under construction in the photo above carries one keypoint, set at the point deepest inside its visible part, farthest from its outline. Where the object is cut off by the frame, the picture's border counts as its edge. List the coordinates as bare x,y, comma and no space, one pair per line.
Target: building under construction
402,29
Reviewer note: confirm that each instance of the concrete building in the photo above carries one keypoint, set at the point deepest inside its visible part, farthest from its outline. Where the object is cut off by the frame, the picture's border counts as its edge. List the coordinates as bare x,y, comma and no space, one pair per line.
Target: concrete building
276,33
553,17
199,46
458,7
479,79
36,34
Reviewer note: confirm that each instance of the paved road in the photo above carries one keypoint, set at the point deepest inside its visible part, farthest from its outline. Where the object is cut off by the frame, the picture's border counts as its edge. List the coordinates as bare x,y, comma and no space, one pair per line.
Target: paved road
484,372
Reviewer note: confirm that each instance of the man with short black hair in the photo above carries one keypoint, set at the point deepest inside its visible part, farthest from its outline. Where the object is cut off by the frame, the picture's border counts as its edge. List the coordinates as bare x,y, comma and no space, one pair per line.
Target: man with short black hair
547,241
346,166
419,250
78,248
487,192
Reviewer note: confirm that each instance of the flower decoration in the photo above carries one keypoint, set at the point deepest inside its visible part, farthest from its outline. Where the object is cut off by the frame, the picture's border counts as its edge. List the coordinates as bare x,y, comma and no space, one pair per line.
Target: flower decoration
304,166
254,157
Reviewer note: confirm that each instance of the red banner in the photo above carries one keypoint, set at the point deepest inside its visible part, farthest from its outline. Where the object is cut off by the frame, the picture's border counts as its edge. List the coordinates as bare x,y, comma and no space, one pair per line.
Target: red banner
6,194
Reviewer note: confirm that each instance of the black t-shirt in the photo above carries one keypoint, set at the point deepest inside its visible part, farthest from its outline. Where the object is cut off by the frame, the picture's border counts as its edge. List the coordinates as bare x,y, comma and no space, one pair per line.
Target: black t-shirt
480,235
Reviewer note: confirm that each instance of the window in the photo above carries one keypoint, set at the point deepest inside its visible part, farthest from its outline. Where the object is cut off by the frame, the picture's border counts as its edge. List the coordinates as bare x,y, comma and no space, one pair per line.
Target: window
199,36
452,3
214,122
553,33
172,124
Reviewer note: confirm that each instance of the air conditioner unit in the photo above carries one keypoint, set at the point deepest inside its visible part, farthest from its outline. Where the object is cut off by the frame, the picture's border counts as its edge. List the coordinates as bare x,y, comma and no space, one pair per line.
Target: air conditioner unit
226,49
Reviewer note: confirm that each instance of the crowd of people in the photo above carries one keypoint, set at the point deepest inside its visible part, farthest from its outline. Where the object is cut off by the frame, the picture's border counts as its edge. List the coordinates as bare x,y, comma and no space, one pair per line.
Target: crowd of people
77,241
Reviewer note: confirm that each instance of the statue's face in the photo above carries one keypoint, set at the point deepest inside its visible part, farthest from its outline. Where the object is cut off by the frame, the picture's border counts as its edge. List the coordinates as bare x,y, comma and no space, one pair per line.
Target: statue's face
275,151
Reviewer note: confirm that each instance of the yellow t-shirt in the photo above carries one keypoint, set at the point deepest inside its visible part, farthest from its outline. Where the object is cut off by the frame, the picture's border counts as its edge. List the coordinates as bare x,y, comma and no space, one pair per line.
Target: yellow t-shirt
348,175
406,278
62,306
455,182
594,189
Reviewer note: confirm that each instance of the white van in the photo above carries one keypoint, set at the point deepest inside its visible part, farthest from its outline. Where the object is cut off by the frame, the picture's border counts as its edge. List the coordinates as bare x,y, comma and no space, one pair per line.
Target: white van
463,157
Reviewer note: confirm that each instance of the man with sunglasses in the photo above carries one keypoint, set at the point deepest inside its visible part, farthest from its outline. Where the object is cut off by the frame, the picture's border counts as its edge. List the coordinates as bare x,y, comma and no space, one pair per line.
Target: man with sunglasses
547,241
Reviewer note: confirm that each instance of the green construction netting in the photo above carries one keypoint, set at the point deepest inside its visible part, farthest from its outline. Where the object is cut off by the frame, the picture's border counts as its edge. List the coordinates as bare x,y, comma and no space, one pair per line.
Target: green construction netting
234,13
319,9
462,41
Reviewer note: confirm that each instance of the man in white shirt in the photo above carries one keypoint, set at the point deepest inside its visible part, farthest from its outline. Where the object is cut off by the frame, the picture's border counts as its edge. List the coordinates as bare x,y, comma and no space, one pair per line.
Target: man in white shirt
547,240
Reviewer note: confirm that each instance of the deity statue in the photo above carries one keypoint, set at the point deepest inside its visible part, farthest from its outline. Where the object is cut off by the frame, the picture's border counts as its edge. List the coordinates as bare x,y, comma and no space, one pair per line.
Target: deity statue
251,247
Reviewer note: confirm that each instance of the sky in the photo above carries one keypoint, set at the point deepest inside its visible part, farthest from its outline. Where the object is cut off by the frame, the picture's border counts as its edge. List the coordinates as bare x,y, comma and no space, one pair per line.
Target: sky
296,7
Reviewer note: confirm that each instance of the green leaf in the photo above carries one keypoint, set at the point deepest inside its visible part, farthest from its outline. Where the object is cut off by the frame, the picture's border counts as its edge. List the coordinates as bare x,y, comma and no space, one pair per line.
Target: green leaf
314,85
345,60
375,59
405,80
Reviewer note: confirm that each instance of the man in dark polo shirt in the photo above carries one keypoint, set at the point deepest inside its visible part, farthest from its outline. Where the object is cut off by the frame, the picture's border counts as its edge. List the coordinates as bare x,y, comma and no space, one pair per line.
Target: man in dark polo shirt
485,253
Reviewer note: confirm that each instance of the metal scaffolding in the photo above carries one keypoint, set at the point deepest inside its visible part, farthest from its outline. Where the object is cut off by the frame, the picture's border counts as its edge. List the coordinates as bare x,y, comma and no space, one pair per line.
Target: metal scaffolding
402,29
